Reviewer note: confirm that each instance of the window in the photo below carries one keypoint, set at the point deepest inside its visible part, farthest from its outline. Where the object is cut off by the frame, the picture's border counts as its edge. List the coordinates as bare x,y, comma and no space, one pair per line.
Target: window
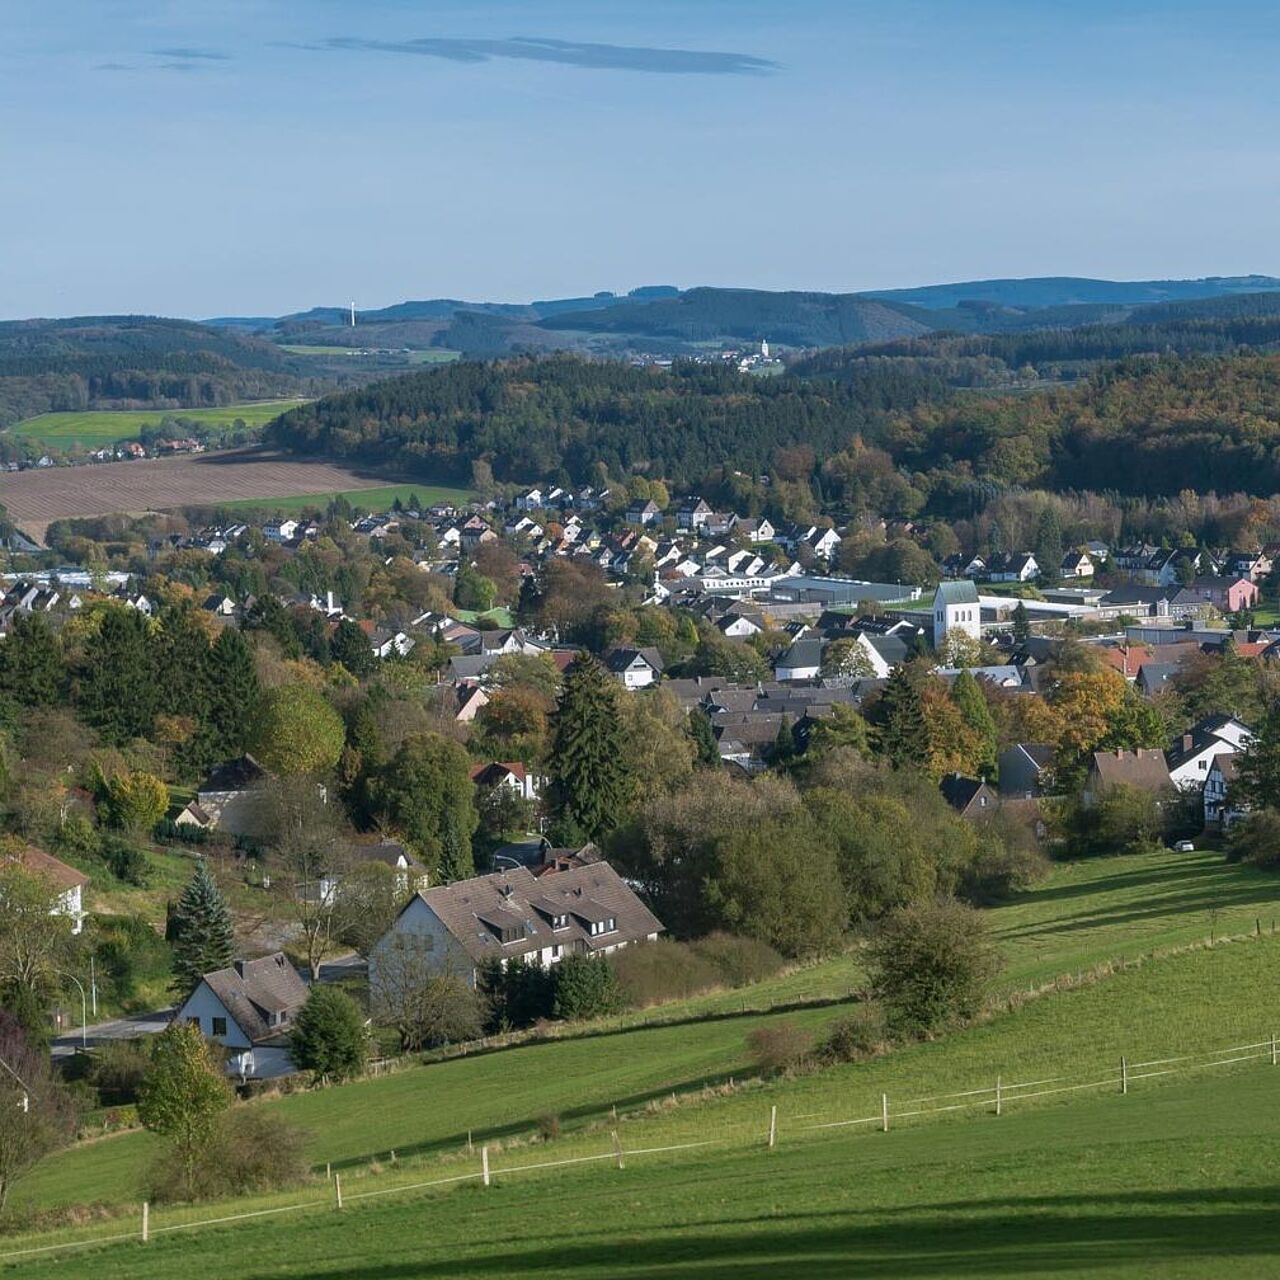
194,1022
219,1027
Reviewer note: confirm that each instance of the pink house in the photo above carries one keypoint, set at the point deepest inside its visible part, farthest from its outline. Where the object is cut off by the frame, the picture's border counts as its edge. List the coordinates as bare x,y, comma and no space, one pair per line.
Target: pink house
1227,594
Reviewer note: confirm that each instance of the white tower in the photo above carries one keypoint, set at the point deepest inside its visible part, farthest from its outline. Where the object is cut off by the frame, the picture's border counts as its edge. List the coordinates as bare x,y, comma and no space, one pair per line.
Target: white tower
353,315
764,348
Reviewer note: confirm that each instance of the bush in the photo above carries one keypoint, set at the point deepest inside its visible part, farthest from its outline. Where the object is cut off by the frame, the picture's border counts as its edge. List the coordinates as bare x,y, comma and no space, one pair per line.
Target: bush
1008,860
549,1126
1255,840
738,961
519,993
929,964
125,862
329,1037
585,987
857,1035
117,1070
128,949
783,1046
252,1150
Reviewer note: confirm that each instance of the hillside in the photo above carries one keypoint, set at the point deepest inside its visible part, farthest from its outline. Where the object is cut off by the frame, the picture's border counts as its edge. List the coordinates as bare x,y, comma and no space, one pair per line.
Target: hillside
1061,291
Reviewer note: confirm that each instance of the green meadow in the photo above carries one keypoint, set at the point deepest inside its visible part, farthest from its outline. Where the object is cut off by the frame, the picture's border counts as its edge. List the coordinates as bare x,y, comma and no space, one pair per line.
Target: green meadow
92,429
376,499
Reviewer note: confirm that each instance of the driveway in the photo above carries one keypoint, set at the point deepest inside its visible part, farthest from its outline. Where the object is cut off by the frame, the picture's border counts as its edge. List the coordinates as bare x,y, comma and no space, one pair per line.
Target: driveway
139,1024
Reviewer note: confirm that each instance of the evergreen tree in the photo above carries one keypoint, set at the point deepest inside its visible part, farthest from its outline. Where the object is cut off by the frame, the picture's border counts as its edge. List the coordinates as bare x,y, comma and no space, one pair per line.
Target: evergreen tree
900,735
232,691
588,776
704,739
784,745
456,862
350,646
1258,766
200,930
967,695
118,691
1048,549
180,646
31,668
1021,624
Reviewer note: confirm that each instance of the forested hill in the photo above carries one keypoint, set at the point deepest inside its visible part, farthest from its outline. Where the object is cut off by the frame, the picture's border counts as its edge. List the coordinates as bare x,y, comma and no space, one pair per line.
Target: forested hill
533,419
1146,426
115,362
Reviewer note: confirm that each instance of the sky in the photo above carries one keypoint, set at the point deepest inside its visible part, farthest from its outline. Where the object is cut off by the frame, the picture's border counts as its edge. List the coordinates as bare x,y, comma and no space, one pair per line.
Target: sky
256,157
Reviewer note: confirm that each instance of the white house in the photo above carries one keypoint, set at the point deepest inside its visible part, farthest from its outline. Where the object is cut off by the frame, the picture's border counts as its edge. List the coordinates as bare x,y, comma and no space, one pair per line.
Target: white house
956,608
280,530
229,796
1191,754
65,880
636,668
802,661
245,1006
1221,809
510,774
531,501
738,626
455,928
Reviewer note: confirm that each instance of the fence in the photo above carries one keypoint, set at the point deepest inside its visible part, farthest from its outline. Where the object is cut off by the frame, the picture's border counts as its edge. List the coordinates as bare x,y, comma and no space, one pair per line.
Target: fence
995,1098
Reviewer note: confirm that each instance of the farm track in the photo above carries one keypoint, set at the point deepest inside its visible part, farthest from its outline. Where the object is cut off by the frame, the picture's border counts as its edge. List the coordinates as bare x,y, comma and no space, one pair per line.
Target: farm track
37,498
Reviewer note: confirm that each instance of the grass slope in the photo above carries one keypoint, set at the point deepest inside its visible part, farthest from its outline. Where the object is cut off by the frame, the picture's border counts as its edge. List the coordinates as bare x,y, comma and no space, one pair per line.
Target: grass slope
92,429
1177,1183
376,499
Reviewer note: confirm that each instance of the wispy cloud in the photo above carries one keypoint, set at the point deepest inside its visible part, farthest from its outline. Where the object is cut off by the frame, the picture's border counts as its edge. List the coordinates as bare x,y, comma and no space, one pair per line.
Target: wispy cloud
606,57
192,55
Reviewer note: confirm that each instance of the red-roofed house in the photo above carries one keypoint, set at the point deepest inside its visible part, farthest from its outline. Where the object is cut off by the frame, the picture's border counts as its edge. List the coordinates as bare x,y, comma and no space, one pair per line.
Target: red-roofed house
512,774
66,880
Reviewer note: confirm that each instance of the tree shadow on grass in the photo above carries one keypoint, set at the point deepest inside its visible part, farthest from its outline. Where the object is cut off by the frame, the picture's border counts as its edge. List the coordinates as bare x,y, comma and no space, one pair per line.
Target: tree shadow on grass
1037,1235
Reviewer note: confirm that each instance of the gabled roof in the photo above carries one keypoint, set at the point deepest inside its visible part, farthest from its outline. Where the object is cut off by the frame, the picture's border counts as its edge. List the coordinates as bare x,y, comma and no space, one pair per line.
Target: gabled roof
251,990
522,904
1202,736
624,657
805,652
39,863
961,792
233,775
1144,769
956,592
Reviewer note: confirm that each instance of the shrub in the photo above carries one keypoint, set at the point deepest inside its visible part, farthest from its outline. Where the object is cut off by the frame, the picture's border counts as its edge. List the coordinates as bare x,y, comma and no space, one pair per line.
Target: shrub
1255,839
252,1150
856,1035
929,964
118,1070
585,987
329,1037
779,1047
549,1126
738,961
662,970
136,801
127,949
125,862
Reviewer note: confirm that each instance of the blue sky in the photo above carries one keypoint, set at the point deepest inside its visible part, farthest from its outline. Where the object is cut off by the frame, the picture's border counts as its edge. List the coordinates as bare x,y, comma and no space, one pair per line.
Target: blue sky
203,157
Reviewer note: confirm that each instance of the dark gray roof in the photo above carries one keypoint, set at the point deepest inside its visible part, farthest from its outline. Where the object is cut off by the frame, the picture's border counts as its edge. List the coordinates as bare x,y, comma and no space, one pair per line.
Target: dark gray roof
521,904
233,775
957,592
252,990
805,652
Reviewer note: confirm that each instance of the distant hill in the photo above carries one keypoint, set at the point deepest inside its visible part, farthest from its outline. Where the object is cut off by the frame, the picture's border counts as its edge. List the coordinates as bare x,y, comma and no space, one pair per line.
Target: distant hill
1064,291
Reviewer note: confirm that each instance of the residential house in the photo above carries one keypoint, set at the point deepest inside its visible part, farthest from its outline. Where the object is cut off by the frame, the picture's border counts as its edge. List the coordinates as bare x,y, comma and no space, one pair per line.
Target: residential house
693,513
1143,770
643,513
456,928
230,795
475,532
755,528
219,605
1191,754
956,608
1221,809
1226,593
1026,770
637,668
66,881
410,874
739,626
246,1006
512,775
1013,567
1154,677
802,661
533,500
969,797
1254,565
1076,564
280,531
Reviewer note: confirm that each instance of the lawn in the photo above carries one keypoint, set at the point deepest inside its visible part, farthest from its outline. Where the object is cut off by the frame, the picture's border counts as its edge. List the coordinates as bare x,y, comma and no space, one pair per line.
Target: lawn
1175,1183
376,499
92,429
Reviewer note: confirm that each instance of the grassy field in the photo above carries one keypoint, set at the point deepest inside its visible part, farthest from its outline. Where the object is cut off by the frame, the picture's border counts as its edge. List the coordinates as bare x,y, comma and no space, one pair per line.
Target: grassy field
91,429
434,355
1177,1182
379,498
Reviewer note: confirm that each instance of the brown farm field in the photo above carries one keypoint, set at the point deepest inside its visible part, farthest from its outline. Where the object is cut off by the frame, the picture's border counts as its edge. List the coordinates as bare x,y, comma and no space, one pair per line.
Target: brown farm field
36,498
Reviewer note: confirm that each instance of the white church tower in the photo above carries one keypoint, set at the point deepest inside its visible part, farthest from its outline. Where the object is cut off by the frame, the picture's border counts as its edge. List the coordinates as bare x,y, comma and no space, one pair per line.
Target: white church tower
764,348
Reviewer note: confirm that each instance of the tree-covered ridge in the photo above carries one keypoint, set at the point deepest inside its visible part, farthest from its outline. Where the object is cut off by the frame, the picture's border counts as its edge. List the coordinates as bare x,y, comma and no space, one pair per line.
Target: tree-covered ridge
531,419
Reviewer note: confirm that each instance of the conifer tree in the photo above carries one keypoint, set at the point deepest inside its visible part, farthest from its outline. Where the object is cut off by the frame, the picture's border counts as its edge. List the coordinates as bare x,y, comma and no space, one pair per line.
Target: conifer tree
1021,623
31,669
181,651
456,862
900,736
118,689
973,708
588,779
1048,548
200,930
232,691
704,739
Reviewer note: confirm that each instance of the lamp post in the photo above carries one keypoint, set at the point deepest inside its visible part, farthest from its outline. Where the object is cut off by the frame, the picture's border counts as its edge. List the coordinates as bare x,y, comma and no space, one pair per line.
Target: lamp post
84,1007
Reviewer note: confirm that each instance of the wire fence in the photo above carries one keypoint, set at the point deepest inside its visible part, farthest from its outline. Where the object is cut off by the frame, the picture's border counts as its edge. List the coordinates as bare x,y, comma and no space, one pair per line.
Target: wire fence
993,1098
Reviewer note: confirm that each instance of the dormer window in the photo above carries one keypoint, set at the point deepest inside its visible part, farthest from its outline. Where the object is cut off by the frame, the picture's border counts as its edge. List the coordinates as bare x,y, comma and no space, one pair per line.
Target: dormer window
603,926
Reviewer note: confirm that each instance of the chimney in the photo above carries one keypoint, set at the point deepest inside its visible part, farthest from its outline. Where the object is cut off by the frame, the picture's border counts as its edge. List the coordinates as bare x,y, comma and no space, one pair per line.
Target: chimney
238,965
1186,742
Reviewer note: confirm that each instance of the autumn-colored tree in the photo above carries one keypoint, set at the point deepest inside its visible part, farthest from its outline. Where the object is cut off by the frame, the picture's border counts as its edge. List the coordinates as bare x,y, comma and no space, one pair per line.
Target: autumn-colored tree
950,744
1086,703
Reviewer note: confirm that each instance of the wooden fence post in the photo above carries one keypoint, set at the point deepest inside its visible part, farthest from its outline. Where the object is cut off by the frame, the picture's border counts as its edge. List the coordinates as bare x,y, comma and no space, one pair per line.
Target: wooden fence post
773,1126
998,1095
470,1148
337,1190
328,1171
1273,1048
884,1113
1124,1075
484,1164
617,1150
146,1222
